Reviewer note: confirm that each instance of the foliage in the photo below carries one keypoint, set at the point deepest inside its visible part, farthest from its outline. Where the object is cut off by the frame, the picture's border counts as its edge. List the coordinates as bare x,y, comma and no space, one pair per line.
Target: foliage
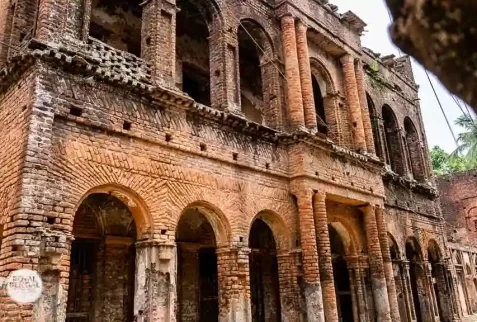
467,141
445,163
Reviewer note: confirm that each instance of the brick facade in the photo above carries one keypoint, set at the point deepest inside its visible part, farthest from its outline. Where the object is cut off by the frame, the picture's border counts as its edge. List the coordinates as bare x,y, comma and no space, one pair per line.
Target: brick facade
213,161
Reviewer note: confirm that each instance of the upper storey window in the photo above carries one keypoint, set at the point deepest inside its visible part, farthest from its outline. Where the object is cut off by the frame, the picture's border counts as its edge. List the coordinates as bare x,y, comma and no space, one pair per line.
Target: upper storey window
375,126
392,141
319,105
117,23
257,73
251,83
413,150
192,50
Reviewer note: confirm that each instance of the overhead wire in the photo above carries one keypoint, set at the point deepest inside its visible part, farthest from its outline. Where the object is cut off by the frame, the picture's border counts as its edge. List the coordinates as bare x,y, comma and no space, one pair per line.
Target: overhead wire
442,109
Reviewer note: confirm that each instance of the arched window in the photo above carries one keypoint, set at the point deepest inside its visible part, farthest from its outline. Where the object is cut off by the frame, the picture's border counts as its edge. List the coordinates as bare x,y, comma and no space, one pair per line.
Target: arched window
413,150
318,95
375,126
117,24
392,141
257,74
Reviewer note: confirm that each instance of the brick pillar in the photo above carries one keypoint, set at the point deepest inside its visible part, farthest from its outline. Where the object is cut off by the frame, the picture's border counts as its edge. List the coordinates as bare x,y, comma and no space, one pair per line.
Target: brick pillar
52,16
305,76
234,284
430,290
324,257
388,266
408,291
288,300
292,71
158,40
311,274
353,103
353,290
376,266
155,273
224,71
368,130
356,272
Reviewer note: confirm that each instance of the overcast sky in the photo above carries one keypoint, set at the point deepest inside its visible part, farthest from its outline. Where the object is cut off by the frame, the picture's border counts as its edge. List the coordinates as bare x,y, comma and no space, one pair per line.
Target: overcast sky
376,37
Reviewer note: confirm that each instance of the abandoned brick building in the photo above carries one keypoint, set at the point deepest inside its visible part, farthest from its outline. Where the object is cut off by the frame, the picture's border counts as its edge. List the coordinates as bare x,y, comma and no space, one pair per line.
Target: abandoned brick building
214,160
458,193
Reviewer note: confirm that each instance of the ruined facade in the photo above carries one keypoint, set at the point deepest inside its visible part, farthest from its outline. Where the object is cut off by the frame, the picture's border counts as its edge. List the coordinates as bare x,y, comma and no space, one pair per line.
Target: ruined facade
459,204
214,161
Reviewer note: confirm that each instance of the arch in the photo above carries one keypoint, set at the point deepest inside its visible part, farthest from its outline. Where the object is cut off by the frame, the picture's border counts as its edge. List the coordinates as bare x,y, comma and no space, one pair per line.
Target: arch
413,150
216,219
434,253
375,126
257,75
134,203
392,141
319,70
210,12
413,250
393,247
345,236
278,226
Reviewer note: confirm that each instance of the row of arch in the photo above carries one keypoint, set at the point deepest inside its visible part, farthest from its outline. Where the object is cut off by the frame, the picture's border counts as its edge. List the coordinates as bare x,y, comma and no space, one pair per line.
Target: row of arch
402,150
109,220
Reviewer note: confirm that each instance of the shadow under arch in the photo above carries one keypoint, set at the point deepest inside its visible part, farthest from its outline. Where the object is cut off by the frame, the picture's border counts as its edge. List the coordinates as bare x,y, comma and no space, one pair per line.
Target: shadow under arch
215,217
136,205
346,238
277,224
394,247
319,70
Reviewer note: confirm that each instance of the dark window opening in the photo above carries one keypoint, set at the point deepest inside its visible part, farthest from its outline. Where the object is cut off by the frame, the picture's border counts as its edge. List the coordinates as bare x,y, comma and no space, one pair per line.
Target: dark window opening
117,23
393,141
375,127
413,148
319,107
251,87
192,52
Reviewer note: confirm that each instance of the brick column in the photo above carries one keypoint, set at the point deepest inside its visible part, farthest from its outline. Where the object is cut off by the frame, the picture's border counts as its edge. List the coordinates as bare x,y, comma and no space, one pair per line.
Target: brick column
158,40
368,130
353,287
288,300
353,103
311,274
52,16
388,266
305,76
408,290
155,273
292,71
324,257
376,266
234,284
357,273
430,290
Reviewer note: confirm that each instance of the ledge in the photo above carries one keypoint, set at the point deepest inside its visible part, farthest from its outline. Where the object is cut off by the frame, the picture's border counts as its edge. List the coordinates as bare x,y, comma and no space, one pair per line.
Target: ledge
423,188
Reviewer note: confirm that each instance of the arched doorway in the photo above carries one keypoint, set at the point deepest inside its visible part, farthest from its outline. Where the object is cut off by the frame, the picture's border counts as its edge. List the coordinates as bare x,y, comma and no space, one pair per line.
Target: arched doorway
375,126
399,280
413,150
264,285
197,282
416,275
102,263
341,276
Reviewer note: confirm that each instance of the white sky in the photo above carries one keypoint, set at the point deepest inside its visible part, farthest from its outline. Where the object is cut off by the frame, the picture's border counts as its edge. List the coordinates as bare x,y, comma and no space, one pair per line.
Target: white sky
376,37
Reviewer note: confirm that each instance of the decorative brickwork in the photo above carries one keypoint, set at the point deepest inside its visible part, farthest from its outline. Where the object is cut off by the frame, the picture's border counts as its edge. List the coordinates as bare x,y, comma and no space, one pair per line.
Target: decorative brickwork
208,160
